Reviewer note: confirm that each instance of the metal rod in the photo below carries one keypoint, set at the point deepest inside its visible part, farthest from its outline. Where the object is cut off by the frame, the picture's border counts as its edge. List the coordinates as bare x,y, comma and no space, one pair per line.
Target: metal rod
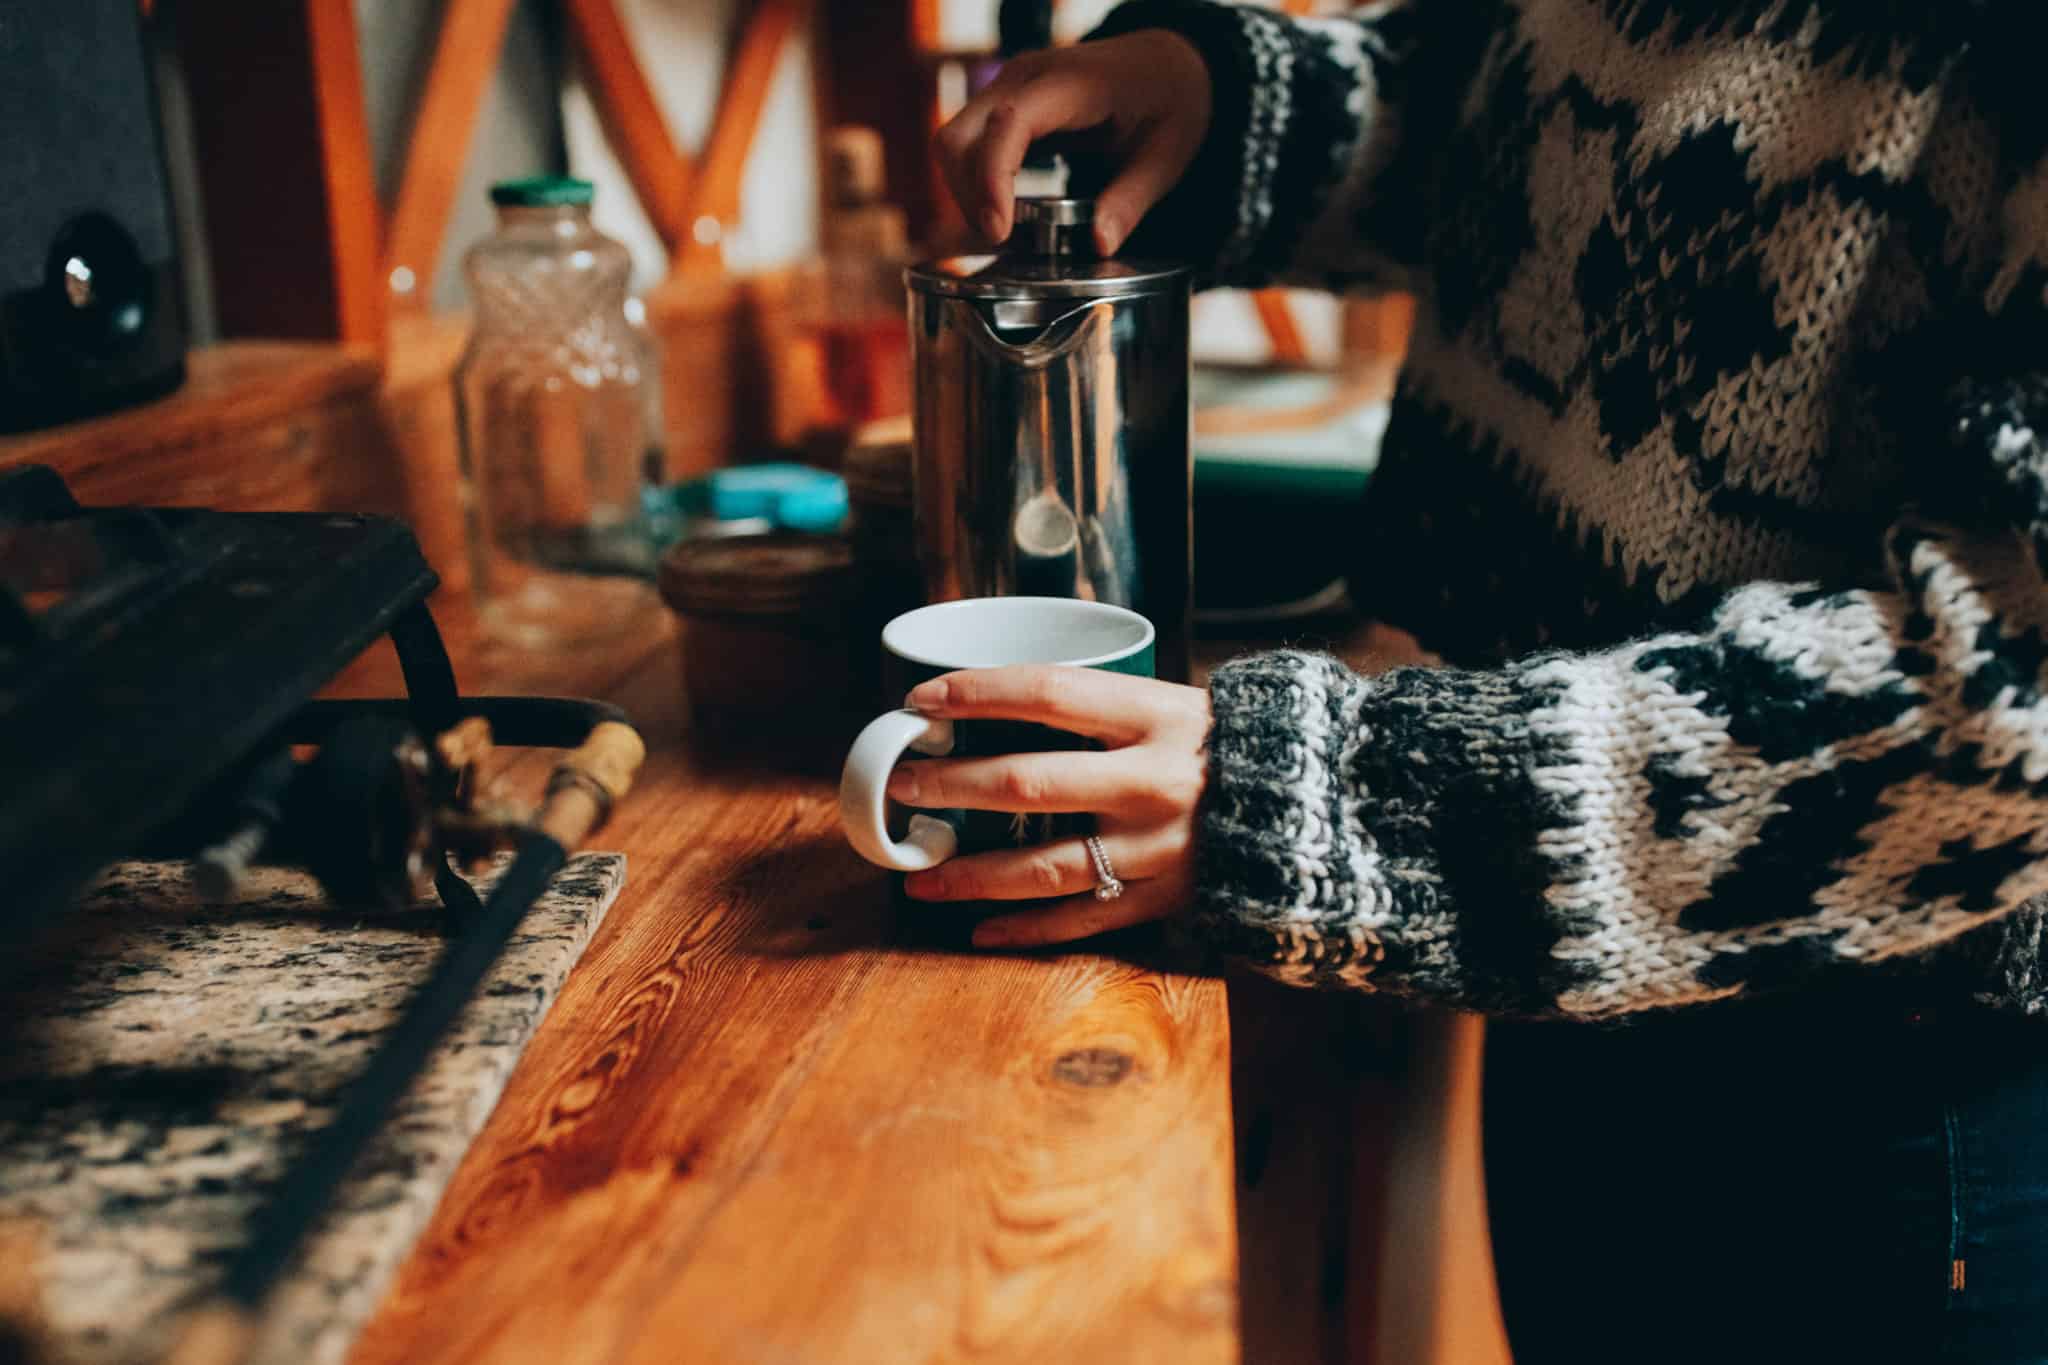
429,672
586,784
307,1190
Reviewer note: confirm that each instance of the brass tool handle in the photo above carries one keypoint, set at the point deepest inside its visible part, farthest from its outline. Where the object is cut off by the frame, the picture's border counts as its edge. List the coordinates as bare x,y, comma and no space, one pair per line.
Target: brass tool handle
465,745
589,782
585,786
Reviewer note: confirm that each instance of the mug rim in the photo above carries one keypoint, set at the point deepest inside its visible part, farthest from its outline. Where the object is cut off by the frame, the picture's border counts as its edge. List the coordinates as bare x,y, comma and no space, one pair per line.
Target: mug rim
1146,637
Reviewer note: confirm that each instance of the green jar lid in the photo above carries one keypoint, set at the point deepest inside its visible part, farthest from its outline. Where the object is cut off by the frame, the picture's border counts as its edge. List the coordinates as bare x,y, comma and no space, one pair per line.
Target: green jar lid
541,191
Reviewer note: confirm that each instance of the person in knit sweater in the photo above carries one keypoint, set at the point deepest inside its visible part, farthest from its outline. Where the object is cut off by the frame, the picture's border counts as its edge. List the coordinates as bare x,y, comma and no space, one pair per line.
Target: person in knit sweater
1718,477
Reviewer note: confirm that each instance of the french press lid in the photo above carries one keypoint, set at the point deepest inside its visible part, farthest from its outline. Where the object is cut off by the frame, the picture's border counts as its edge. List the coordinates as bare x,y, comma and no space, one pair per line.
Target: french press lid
1050,255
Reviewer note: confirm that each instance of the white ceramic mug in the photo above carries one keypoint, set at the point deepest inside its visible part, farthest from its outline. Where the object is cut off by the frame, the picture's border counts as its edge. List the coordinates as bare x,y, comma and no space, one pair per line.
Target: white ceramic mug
977,632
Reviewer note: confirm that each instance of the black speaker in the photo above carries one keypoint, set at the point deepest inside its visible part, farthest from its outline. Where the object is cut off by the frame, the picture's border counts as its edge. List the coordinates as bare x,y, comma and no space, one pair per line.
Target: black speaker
90,315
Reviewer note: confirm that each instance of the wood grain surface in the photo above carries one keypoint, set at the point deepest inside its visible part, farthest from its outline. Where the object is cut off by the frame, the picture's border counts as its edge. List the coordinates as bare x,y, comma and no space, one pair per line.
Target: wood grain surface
258,426
772,1120
228,390
769,1120
772,1117
269,426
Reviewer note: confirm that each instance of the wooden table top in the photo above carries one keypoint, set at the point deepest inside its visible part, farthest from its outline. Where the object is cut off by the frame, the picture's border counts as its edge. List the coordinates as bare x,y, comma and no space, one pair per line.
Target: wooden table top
763,1124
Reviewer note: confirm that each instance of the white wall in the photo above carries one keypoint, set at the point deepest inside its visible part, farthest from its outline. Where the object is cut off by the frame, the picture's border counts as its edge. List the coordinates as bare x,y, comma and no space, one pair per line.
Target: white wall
683,47
518,130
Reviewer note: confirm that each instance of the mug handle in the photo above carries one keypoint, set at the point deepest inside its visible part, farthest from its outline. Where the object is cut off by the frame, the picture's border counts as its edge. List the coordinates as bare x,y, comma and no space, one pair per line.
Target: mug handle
863,802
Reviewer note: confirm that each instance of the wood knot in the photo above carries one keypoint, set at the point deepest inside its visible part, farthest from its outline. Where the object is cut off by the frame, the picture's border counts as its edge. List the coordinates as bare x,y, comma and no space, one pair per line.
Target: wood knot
1092,1066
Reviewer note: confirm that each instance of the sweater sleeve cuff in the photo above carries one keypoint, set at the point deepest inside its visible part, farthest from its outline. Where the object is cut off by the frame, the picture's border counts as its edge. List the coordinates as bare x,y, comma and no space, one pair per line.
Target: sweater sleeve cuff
1281,863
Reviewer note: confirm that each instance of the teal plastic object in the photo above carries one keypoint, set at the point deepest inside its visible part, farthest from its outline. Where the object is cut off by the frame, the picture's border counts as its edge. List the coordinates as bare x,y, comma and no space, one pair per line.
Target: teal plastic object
777,496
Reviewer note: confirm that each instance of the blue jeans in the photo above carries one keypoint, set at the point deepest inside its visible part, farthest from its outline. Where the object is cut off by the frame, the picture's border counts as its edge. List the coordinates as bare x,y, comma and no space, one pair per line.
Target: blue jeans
1857,1175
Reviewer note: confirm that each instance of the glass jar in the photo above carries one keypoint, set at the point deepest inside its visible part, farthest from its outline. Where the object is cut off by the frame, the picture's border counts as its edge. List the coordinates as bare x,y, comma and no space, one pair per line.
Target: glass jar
557,402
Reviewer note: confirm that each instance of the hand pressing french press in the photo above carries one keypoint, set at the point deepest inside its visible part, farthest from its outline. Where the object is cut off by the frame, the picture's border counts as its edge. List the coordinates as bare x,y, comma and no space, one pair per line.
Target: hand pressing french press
1139,106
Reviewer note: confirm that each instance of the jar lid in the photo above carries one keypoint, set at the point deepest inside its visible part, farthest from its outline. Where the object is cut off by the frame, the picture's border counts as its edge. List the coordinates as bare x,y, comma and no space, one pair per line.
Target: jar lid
877,466
542,191
781,575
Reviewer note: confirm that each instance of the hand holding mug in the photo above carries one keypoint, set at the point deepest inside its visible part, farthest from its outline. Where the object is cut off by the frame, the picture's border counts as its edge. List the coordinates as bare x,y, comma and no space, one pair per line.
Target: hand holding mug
1142,789
1064,776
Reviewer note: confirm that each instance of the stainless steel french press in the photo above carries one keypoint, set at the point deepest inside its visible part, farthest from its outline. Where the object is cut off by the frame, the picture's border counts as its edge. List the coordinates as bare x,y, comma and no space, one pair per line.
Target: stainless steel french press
1051,425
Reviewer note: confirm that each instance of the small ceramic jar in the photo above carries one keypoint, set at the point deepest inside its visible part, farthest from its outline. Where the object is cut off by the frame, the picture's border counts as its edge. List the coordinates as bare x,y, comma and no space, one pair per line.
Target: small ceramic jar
772,642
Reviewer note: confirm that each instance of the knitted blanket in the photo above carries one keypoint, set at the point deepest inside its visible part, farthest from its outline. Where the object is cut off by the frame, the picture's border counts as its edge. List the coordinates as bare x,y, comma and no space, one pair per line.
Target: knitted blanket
1719,471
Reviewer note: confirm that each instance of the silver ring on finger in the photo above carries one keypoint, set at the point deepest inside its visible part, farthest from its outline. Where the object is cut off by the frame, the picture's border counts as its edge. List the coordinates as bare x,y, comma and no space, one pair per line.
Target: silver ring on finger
1107,887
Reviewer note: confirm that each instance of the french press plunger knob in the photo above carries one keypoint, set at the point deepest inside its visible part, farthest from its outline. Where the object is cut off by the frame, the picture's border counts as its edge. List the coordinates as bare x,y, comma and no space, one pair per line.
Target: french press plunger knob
1053,227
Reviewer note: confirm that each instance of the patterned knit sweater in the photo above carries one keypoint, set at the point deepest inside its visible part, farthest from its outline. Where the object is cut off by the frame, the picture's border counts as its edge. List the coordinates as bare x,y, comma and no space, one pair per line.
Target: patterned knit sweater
1718,474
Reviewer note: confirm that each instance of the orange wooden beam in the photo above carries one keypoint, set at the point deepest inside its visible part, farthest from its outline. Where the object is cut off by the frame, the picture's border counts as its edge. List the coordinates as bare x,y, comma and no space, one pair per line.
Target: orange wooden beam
716,196
662,174
355,219
1274,316
926,24
465,55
